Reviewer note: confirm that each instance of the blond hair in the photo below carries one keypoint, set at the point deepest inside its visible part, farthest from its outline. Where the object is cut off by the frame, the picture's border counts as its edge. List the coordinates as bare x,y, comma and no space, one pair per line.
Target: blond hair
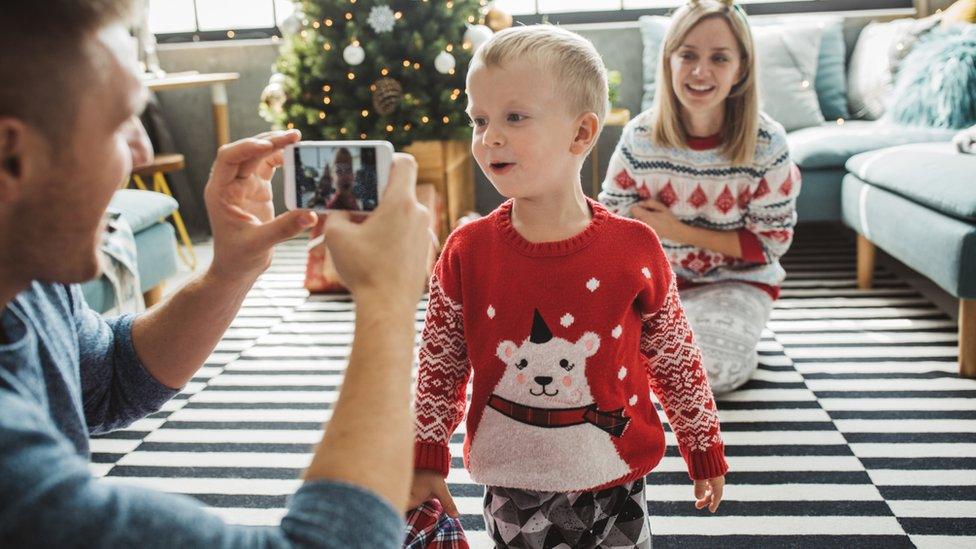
740,127
571,59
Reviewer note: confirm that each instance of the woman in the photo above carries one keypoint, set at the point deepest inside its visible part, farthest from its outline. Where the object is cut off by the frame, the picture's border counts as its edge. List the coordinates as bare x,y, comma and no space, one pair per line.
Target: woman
712,175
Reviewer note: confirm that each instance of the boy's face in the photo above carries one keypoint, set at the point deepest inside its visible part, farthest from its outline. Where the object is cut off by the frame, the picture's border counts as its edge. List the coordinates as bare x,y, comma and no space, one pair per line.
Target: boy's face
523,129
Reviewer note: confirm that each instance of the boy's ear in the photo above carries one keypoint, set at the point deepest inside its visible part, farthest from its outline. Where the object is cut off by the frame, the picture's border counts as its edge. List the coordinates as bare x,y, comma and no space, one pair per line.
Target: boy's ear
12,152
587,130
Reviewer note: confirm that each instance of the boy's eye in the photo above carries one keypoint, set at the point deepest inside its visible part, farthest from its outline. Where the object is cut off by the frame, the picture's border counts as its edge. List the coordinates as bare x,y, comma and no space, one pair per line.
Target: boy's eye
515,117
477,122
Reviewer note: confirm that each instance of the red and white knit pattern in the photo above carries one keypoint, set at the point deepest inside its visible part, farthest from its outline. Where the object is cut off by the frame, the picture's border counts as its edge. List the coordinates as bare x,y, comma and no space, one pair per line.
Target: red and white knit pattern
444,378
558,326
677,377
701,188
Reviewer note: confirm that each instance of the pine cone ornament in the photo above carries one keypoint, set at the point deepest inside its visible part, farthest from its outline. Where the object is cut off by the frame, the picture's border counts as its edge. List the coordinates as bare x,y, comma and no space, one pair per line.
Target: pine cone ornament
387,95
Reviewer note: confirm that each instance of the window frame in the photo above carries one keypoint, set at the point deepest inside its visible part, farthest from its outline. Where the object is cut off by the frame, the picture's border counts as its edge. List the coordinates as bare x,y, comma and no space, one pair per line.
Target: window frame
784,7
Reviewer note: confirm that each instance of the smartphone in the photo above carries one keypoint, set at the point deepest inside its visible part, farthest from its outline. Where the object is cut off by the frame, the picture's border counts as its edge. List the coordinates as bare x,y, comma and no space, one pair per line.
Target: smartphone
336,175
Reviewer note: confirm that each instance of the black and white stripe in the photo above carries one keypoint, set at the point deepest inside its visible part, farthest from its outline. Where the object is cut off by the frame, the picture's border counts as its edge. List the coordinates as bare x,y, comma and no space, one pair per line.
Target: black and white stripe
855,431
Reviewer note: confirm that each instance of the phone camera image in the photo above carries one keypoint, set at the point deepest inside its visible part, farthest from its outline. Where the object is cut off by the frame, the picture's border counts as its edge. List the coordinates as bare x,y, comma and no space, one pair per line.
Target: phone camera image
336,178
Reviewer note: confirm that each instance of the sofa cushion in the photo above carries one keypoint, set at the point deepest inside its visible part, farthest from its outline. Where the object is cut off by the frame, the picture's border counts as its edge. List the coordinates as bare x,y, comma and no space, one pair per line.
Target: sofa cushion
936,82
940,247
831,144
831,81
869,77
933,174
142,209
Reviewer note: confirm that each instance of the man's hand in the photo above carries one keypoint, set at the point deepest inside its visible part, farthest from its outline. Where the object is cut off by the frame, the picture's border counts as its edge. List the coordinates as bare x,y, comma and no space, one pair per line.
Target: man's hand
708,493
658,217
385,256
239,203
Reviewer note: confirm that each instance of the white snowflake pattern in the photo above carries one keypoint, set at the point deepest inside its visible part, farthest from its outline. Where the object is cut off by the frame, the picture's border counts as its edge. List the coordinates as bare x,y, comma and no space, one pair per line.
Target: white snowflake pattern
381,18
633,400
622,373
616,332
491,312
567,320
592,284
646,272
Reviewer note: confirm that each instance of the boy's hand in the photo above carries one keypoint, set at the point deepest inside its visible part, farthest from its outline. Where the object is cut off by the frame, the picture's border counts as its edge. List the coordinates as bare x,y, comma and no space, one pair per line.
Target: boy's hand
709,493
430,484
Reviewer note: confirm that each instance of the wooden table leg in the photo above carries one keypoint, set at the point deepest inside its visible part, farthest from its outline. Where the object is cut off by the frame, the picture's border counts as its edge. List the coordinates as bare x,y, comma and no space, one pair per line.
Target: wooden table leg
967,338
153,295
866,255
220,117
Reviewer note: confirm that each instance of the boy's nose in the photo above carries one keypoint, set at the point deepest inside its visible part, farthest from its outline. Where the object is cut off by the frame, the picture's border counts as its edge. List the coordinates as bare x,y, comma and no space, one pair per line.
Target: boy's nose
493,138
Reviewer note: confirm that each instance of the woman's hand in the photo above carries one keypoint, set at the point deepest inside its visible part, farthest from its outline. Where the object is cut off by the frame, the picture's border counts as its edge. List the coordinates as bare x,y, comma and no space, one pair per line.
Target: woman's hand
658,217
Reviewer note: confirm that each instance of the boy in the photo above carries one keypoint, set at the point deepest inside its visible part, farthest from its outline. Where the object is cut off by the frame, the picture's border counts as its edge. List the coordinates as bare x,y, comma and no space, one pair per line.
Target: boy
567,315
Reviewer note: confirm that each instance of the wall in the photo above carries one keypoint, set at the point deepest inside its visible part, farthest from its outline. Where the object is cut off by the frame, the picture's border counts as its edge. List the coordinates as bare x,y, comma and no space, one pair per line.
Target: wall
188,111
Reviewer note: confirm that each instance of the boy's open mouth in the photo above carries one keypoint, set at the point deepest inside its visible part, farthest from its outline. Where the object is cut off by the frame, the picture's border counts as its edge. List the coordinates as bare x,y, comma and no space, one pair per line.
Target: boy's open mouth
501,168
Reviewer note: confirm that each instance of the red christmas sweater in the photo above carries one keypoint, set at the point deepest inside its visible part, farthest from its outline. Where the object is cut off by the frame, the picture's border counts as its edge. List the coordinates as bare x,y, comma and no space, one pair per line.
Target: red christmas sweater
566,341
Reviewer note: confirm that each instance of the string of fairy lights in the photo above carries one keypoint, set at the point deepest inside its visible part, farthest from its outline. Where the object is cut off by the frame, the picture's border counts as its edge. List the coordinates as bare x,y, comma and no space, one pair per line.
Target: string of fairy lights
387,93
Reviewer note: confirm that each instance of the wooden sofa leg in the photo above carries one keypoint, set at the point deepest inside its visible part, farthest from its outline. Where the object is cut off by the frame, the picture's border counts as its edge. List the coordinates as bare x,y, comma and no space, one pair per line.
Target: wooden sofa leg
153,295
967,338
866,254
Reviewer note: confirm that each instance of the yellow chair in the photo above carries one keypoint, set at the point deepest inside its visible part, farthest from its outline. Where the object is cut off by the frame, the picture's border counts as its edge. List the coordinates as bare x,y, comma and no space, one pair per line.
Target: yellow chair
161,165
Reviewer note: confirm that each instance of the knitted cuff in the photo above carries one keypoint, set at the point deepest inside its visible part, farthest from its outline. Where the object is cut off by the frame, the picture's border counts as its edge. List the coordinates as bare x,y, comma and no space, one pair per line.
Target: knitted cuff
431,456
752,249
708,464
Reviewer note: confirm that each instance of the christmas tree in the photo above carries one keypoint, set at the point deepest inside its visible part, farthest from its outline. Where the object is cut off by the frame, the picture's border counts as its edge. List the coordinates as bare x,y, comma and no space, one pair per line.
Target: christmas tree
376,69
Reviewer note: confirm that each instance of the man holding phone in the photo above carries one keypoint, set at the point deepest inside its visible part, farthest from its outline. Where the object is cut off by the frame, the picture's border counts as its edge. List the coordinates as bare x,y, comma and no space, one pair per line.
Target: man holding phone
67,113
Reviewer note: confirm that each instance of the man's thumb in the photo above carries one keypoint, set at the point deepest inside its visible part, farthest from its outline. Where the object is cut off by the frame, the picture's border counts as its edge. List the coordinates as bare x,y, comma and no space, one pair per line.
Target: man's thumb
700,489
286,226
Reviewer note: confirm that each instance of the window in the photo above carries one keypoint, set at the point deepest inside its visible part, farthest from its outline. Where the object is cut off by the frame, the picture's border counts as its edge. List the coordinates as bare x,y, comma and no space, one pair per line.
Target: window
192,20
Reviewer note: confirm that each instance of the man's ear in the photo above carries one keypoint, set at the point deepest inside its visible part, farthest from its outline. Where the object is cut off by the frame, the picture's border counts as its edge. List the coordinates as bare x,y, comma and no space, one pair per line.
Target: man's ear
587,130
13,145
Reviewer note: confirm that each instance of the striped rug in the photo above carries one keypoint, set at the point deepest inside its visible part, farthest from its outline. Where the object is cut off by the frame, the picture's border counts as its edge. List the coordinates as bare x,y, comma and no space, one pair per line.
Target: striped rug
855,432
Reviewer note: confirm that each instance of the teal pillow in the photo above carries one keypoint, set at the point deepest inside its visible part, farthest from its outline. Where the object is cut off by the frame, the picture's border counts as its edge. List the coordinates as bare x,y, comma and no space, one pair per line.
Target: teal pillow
830,82
936,82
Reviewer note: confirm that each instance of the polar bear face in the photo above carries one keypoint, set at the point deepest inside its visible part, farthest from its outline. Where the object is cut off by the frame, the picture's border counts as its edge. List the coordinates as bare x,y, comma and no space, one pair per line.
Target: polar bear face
547,375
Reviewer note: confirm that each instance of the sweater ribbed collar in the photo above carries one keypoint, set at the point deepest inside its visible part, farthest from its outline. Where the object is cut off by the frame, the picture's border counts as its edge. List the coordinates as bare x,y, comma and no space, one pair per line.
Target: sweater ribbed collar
503,220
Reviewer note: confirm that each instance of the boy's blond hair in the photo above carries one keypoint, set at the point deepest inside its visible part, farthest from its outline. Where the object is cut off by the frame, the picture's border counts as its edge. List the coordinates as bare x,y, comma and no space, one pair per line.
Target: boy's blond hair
741,125
570,59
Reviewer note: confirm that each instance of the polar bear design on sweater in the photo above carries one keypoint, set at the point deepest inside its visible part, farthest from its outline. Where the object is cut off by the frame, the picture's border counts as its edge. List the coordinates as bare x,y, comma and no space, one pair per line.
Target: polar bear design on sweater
542,428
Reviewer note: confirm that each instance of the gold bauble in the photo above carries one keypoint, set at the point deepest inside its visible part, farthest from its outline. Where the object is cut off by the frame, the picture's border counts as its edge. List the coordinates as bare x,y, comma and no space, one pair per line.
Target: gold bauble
497,20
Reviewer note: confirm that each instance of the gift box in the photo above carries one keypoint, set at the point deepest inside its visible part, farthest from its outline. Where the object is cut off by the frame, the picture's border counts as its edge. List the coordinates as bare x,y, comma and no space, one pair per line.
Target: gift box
321,276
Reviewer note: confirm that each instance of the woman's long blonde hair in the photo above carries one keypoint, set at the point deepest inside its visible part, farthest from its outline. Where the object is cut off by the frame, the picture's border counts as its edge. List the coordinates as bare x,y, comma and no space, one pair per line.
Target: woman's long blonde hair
741,125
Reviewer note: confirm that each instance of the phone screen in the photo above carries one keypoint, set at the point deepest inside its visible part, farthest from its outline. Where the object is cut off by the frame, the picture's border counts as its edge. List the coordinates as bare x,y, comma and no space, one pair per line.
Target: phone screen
336,177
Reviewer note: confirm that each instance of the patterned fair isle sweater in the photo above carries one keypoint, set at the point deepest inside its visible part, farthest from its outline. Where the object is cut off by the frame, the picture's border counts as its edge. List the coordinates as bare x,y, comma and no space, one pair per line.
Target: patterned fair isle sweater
566,341
700,187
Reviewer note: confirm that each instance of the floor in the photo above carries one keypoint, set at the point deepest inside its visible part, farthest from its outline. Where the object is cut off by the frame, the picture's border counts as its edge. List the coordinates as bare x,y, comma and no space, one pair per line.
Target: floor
855,431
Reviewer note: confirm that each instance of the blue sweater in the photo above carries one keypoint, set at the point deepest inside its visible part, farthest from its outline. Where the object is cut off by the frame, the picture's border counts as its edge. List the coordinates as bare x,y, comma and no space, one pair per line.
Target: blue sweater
65,372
